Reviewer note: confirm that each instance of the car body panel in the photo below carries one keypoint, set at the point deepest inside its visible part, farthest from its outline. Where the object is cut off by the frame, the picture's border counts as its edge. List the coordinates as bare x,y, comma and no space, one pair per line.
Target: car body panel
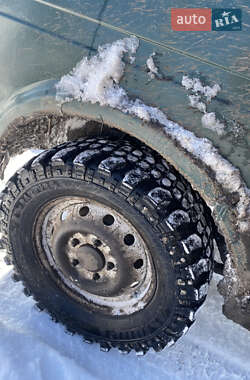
152,20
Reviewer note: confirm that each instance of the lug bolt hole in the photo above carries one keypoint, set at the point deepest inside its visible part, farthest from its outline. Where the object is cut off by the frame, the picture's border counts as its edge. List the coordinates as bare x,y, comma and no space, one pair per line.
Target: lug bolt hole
108,220
75,242
96,276
138,264
84,211
129,239
75,262
110,265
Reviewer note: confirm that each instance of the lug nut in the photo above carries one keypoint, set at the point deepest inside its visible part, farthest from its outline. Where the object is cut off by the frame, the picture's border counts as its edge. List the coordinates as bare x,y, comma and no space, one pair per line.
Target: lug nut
110,265
75,262
96,276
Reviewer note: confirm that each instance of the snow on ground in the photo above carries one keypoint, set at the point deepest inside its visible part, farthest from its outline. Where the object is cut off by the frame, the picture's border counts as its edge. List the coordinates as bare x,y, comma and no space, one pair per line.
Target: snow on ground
16,163
32,347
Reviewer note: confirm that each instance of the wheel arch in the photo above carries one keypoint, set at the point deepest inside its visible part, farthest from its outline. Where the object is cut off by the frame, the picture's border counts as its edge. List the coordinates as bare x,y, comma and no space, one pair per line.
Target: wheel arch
40,99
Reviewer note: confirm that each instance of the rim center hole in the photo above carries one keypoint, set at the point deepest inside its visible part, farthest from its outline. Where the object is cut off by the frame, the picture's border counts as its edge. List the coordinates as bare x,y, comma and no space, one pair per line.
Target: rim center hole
91,258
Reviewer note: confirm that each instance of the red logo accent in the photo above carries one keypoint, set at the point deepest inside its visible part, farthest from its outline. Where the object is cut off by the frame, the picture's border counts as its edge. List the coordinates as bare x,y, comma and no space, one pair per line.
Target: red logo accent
191,19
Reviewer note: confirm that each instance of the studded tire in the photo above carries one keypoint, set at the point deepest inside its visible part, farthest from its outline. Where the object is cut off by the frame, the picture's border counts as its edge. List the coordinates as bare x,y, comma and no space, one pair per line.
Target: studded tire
172,219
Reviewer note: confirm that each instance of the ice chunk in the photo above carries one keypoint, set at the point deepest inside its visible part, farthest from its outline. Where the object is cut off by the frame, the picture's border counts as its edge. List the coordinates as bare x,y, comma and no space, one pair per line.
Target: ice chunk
209,121
159,195
193,242
178,217
187,82
202,266
153,70
196,103
96,79
211,92
196,87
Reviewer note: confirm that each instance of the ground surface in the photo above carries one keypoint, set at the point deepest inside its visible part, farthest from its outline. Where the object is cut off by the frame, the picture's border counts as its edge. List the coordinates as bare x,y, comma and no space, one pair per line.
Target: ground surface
32,347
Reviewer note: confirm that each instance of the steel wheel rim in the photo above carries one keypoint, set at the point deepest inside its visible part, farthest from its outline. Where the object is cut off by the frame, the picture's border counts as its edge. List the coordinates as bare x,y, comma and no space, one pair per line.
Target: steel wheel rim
87,227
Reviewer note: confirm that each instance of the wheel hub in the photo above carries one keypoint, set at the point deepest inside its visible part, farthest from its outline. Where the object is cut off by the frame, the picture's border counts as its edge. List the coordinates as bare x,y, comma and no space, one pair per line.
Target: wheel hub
97,253
90,258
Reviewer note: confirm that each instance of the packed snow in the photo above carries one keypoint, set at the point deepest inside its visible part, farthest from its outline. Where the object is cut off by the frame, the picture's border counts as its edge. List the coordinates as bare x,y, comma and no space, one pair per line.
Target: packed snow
96,80
152,68
196,103
198,90
209,121
196,86
16,163
178,217
32,347
193,242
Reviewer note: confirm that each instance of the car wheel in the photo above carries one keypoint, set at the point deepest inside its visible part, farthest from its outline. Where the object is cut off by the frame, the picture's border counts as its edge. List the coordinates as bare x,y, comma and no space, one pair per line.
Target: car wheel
111,241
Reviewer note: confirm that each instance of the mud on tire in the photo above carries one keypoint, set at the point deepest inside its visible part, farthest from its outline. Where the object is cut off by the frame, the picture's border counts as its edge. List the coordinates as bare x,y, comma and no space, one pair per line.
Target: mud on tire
139,185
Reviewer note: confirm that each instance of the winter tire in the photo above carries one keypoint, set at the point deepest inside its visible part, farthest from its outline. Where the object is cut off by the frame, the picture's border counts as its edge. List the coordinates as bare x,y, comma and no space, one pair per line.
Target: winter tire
111,241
